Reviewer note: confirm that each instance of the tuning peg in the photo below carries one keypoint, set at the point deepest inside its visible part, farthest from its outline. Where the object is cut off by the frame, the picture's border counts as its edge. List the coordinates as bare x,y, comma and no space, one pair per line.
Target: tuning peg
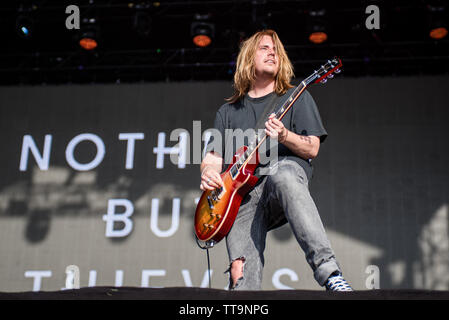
337,71
324,80
330,76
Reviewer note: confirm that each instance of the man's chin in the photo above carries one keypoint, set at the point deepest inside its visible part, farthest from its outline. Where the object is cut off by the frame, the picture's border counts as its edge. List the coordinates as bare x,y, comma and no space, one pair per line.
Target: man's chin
270,72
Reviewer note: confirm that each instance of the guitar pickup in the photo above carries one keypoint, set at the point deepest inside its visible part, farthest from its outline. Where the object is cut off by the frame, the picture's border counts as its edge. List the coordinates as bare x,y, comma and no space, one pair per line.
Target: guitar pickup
211,204
234,171
220,191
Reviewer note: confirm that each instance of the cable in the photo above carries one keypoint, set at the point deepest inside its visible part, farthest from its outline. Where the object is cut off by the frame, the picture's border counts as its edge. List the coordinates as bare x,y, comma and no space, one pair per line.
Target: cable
207,246
208,268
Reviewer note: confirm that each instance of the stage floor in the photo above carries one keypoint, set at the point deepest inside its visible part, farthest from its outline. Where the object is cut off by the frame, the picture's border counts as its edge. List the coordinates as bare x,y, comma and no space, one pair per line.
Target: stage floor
185,293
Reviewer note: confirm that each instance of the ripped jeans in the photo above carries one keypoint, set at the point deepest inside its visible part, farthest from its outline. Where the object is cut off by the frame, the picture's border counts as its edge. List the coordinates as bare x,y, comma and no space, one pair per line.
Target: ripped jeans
279,198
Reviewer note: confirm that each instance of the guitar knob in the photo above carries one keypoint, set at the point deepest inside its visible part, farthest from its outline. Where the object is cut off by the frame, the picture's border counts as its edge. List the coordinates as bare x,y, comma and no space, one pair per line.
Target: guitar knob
215,215
337,71
330,76
324,80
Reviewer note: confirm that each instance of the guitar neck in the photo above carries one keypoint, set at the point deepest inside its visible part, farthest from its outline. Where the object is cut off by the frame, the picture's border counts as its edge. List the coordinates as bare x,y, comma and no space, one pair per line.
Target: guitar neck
291,100
320,75
280,113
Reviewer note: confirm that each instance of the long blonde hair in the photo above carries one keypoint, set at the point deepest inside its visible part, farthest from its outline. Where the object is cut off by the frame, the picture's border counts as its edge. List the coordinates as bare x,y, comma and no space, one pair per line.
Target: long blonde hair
245,73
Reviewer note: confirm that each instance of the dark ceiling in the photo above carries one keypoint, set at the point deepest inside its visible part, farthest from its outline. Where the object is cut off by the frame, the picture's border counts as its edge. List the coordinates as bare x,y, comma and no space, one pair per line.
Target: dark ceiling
165,52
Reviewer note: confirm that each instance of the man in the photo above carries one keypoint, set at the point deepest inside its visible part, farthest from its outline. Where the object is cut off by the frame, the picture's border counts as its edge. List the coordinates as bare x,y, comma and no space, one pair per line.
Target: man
263,73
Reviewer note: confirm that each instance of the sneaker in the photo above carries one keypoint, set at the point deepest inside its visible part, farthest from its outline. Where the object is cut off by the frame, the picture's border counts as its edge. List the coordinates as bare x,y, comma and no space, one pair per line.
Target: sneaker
336,282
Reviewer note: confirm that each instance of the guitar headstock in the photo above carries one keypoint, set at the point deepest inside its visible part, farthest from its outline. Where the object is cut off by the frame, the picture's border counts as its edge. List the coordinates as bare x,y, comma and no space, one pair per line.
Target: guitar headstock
326,71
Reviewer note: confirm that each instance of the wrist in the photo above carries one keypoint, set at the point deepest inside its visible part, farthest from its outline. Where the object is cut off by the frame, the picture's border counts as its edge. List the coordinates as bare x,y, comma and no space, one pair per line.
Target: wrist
204,169
209,167
284,138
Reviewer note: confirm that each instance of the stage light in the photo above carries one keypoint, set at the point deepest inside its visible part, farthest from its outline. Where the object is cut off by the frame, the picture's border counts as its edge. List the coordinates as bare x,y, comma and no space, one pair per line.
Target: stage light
317,26
25,30
88,41
438,33
437,22
202,31
318,37
24,26
202,40
89,35
142,23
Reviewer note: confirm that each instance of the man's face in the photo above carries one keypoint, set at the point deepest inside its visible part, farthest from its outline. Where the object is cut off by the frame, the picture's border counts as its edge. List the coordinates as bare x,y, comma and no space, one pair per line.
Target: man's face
266,58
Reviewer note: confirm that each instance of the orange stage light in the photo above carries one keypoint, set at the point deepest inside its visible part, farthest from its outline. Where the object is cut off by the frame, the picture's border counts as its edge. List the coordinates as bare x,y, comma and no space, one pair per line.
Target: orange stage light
202,40
88,43
438,33
318,37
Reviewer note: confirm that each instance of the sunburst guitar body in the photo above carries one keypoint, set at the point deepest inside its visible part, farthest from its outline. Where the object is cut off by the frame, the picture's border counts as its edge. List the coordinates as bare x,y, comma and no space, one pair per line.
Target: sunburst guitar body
217,209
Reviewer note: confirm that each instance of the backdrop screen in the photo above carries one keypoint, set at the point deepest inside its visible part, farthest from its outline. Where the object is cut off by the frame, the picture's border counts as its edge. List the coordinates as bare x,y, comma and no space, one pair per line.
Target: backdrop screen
105,179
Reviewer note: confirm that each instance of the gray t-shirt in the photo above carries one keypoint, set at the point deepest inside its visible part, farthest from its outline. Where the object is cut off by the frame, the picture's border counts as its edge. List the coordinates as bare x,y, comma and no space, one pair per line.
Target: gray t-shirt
303,118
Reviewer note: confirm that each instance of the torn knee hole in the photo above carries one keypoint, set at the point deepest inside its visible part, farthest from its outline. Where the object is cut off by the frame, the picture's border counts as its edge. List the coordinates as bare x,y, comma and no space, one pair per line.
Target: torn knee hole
237,270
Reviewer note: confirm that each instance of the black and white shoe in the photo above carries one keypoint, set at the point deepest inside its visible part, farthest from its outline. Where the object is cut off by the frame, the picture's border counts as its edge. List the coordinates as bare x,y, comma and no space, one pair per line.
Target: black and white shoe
336,282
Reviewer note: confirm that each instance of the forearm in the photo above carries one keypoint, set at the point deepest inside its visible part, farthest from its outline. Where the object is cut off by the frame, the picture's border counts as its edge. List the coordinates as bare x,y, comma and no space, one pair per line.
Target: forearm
306,147
212,161
210,171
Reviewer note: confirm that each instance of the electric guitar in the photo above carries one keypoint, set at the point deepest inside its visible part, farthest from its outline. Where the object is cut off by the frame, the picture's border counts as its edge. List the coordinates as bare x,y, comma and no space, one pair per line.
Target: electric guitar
216,210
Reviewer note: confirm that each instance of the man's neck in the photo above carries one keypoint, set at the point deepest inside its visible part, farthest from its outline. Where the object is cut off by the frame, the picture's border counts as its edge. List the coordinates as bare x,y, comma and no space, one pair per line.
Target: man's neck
261,88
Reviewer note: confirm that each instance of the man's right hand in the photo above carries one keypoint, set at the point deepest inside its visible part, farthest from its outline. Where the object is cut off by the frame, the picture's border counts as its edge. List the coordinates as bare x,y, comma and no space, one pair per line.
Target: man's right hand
210,171
210,179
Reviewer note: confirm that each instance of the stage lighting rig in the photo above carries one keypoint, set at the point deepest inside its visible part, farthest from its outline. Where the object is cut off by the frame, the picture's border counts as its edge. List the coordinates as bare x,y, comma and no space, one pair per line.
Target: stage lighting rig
202,31
24,26
317,26
437,22
142,23
89,35
25,22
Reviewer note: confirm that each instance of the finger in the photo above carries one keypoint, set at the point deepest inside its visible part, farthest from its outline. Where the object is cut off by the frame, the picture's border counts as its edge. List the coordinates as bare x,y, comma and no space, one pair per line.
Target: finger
213,184
206,186
278,125
271,133
216,181
209,182
269,125
274,129
267,132
273,126
278,122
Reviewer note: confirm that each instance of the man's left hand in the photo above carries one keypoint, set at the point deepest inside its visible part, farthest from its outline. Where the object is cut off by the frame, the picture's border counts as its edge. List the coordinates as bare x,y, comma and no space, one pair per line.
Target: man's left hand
275,129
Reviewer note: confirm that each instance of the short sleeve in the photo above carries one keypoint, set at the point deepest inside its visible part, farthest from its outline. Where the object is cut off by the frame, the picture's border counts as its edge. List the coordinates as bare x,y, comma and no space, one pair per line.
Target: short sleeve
306,119
219,125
